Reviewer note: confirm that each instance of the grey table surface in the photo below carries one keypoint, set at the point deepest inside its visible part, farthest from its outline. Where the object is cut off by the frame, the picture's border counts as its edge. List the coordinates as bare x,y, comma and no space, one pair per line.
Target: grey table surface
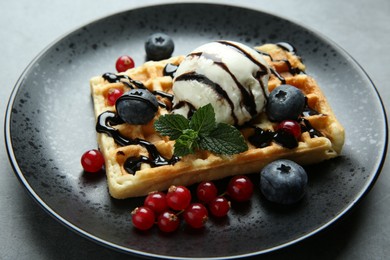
361,27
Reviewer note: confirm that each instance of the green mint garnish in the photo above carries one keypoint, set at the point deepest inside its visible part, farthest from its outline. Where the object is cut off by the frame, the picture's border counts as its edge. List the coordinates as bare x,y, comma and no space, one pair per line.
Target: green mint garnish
201,132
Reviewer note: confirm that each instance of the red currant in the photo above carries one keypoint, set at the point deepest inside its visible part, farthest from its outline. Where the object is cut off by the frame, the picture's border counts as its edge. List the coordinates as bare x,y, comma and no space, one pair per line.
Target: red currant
92,160
168,221
195,215
124,63
143,218
113,94
178,197
219,207
156,201
206,191
291,127
240,188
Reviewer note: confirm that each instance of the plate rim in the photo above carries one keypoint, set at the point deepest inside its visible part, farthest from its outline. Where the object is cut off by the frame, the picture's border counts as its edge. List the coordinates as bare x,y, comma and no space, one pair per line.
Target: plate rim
337,218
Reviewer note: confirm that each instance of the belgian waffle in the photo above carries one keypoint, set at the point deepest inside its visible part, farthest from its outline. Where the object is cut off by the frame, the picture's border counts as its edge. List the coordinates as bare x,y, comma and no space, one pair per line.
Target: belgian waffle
323,139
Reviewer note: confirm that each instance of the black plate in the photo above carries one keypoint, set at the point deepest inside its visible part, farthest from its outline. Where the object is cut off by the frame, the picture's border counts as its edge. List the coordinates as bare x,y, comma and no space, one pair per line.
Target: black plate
50,123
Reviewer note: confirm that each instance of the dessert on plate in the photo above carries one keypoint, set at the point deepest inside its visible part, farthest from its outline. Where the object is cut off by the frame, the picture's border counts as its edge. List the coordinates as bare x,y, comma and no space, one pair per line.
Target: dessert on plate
261,93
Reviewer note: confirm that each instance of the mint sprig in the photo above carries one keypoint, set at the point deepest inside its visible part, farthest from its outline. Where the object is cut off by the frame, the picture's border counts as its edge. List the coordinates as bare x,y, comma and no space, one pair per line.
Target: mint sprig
201,132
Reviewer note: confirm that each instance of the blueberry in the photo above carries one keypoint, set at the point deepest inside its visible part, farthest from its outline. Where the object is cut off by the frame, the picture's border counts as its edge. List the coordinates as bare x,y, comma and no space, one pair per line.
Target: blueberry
285,102
137,106
159,46
283,181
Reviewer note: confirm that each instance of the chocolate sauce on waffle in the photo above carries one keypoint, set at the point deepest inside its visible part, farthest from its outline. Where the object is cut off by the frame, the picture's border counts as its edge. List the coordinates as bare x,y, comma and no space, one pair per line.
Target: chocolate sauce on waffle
287,47
133,164
164,95
307,111
131,83
285,139
170,70
104,124
306,126
113,78
263,138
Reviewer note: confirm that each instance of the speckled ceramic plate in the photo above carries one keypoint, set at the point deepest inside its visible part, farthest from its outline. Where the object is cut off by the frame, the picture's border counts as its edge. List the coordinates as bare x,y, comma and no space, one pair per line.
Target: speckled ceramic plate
50,123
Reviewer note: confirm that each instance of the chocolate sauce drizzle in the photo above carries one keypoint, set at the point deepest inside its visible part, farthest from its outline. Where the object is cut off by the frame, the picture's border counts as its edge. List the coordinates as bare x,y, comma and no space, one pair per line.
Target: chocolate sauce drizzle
287,47
216,87
191,110
131,83
306,126
104,124
114,78
248,99
108,119
239,49
170,70
307,111
263,138
263,68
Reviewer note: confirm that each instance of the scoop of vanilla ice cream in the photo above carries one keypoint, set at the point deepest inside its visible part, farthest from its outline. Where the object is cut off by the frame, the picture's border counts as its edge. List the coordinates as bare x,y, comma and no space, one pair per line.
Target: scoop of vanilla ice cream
231,76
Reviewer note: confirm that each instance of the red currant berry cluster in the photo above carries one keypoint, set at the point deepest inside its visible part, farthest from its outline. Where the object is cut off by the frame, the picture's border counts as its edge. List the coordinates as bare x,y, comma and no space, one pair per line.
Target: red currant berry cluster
165,209
207,193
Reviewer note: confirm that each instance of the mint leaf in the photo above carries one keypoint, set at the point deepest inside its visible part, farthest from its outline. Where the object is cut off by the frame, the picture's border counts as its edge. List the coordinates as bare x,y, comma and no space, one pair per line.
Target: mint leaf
202,132
171,125
224,139
203,120
181,149
186,143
